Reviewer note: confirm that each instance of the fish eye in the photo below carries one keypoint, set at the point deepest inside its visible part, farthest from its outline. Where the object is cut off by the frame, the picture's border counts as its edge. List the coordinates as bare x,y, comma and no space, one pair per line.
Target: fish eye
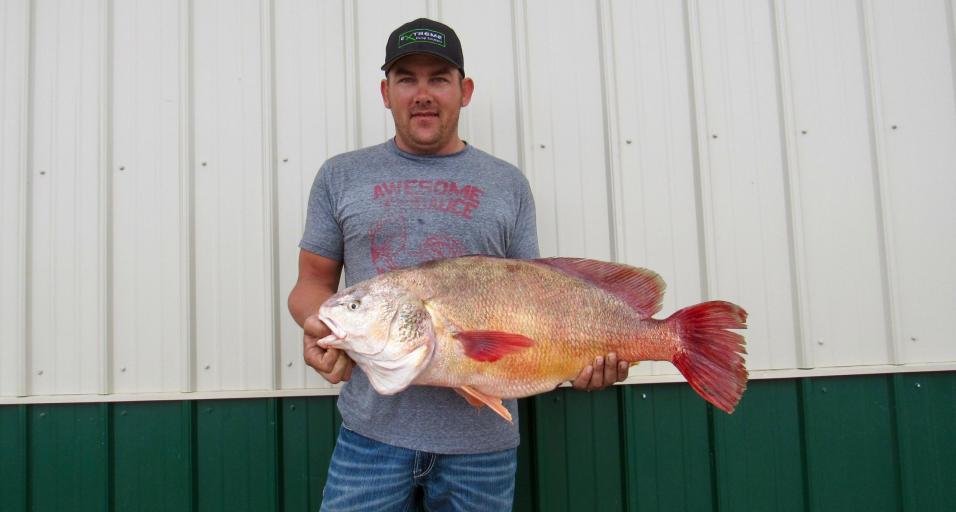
354,304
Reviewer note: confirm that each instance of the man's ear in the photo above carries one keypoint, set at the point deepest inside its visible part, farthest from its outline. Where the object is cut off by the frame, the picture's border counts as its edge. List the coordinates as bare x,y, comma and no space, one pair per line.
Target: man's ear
467,89
385,94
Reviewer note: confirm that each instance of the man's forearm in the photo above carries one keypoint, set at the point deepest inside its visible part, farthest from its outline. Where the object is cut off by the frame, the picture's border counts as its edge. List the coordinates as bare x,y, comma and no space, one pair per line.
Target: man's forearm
306,297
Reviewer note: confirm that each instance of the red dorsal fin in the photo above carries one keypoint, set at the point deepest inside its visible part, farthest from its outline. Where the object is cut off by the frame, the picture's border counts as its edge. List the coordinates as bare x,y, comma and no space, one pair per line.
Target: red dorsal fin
490,346
640,288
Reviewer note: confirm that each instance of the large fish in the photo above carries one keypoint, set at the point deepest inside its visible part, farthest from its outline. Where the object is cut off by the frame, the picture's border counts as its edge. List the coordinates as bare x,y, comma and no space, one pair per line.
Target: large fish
496,328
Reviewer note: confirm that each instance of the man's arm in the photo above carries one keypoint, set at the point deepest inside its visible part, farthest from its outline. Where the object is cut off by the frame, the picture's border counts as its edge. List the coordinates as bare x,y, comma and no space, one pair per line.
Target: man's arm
318,280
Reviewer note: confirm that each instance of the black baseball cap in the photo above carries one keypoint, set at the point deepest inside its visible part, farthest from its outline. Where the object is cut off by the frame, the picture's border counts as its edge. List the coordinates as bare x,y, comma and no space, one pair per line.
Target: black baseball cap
424,36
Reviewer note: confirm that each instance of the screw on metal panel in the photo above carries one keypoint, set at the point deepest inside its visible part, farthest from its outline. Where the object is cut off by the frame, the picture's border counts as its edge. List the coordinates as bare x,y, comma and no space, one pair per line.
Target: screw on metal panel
289,364
206,367
123,369
122,167
542,146
42,173
292,407
714,136
819,342
918,385
893,127
42,414
285,159
823,390
39,372
628,141
803,132
123,413
644,395
912,338
204,164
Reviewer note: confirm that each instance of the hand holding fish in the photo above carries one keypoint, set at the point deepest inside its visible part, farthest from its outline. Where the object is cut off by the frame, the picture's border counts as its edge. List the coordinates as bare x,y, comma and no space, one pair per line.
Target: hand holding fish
597,376
333,364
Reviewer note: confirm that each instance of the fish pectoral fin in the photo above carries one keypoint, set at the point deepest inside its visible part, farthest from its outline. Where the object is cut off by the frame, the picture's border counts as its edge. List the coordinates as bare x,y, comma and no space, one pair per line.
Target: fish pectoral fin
490,346
494,403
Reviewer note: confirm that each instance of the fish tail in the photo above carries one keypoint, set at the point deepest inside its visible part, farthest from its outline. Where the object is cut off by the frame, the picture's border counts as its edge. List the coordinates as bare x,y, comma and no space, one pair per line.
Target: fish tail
708,355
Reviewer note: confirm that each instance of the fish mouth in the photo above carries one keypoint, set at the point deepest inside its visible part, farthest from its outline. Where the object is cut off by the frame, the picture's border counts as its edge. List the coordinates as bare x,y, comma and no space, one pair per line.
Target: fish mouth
338,334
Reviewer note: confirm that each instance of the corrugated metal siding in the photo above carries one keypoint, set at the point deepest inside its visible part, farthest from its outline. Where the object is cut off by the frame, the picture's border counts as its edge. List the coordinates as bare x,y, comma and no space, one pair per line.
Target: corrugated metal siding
879,442
794,157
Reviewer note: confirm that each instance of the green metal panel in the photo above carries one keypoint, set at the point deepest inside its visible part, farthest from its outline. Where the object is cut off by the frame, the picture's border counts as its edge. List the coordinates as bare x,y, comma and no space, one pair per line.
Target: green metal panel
152,456
309,429
578,451
926,419
758,451
667,439
237,455
850,444
69,457
13,456
881,442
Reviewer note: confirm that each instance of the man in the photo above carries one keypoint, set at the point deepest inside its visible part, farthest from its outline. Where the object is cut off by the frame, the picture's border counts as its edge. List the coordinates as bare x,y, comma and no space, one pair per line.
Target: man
423,195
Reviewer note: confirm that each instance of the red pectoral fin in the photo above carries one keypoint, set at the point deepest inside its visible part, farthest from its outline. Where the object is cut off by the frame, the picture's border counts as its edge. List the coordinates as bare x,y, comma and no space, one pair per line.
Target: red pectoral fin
490,346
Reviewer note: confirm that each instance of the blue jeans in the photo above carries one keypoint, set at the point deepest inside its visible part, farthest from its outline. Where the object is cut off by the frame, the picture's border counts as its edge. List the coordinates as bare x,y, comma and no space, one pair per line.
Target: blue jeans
368,475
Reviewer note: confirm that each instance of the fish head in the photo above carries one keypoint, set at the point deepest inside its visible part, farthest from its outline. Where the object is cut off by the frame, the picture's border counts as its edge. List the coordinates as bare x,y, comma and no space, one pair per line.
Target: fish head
376,320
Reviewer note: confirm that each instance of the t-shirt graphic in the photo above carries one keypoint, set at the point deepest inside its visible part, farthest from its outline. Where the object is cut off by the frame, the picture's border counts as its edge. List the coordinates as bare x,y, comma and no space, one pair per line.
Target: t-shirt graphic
399,201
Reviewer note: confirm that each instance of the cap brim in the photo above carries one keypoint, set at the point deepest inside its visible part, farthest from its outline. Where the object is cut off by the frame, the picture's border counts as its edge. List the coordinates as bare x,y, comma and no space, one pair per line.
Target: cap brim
420,52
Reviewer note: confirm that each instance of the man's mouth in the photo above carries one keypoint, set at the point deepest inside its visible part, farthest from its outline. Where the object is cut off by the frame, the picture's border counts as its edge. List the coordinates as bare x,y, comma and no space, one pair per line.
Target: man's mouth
425,114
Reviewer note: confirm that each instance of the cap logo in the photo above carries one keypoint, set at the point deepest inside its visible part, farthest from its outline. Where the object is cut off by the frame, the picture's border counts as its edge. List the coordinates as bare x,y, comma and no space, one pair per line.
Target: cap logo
420,35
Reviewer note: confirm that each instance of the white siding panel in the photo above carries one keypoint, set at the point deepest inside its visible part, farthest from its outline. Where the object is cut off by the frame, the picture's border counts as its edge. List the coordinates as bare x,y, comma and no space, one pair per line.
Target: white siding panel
564,138
14,112
742,176
490,122
69,239
156,159
313,122
914,75
837,193
148,314
234,336
655,186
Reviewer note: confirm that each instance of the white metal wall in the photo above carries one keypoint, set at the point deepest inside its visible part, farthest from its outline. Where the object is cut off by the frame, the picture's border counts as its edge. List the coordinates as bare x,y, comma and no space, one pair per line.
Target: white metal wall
796,157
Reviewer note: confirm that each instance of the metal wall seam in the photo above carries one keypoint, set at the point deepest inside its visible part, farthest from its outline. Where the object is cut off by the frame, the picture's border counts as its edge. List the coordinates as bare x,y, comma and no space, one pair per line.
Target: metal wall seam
105,223
612,144
24,359
353,115
519,30
25,193
705,203
805,358
269,168
884,203
187,224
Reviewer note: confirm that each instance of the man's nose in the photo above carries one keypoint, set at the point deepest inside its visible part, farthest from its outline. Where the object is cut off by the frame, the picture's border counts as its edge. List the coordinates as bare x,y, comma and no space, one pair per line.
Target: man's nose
422,98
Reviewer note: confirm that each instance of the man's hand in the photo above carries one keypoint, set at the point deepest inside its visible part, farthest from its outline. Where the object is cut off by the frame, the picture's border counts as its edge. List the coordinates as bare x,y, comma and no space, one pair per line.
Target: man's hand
332,364
601,374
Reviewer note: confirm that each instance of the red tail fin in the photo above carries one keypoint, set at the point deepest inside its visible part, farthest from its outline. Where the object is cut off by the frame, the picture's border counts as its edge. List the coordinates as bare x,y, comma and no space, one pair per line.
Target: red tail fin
709,356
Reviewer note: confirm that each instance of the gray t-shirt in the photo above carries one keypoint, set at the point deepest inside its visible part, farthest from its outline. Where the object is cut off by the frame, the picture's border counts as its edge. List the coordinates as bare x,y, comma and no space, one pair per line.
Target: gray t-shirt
379,209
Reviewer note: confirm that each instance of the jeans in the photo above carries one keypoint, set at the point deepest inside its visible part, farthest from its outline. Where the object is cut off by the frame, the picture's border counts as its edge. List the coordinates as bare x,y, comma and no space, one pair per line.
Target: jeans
366,475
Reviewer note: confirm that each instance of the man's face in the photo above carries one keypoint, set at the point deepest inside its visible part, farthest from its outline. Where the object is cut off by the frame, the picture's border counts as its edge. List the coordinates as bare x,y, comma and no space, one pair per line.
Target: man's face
425,95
